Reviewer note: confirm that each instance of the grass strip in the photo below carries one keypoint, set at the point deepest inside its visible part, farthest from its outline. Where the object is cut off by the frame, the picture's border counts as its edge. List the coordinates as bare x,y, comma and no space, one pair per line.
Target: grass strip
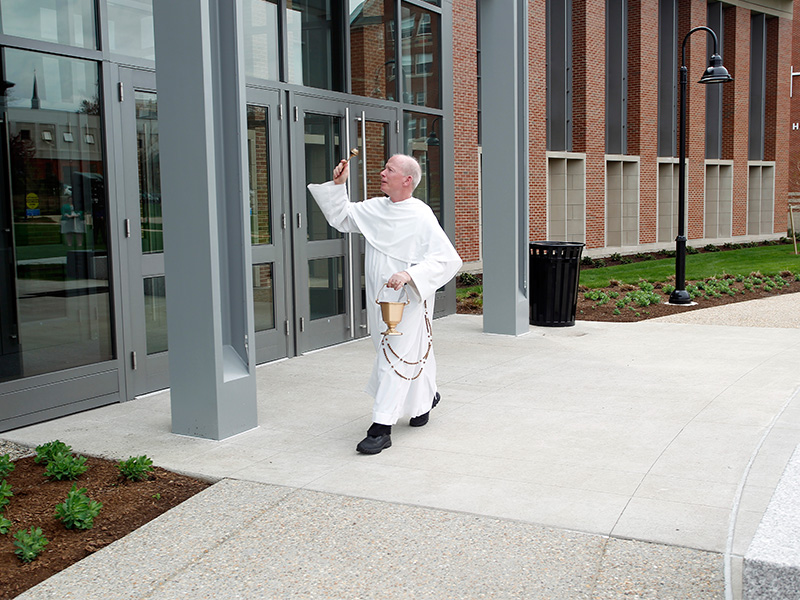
767,260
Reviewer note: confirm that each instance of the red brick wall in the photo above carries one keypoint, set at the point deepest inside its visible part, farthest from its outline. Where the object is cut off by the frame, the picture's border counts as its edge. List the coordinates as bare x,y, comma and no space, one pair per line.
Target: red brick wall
537,103
643,108
735,107
777,126
465,105
589,108
794,134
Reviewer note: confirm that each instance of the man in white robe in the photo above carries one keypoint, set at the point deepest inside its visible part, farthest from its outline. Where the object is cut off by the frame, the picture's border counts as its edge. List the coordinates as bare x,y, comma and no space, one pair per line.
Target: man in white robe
406,248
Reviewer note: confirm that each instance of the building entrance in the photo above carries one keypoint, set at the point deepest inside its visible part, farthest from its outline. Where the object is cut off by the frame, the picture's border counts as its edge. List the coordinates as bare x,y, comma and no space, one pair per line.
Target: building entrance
308,284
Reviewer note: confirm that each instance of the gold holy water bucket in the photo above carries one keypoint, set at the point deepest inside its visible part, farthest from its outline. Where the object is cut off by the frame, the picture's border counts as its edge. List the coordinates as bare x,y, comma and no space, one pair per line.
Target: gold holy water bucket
392,313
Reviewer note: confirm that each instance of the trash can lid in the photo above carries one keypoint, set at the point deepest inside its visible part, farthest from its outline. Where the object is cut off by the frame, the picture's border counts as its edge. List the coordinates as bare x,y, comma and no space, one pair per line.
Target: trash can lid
556,244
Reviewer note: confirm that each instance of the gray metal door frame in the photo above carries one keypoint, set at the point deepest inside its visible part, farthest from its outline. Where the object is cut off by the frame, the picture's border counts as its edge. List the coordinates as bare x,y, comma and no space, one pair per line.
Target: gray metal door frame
311,333
143,373
277,342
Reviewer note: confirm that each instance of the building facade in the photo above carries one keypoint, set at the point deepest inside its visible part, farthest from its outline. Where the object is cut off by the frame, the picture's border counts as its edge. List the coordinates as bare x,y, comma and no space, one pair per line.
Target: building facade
83,292
603,111
82,277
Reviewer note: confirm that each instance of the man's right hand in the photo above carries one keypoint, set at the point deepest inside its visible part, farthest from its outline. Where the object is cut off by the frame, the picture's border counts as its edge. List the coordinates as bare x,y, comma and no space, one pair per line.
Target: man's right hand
341,172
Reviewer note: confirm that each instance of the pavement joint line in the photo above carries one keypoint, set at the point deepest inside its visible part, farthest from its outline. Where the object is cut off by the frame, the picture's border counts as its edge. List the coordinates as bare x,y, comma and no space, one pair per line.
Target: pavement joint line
726,563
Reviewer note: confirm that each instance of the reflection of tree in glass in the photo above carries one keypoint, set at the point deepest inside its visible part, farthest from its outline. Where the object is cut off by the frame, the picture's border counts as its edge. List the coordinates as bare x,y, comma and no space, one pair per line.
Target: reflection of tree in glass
21,151
90,107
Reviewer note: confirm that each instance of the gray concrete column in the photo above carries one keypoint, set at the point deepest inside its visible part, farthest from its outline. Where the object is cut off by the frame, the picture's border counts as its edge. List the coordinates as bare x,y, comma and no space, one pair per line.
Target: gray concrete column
504,136
202,123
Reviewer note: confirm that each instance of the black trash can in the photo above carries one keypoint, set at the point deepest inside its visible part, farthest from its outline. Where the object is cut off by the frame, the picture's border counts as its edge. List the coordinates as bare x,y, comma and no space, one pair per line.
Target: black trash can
554,270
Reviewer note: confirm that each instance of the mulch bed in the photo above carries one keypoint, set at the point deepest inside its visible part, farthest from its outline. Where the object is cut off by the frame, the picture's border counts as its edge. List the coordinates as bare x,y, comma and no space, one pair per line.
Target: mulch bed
127,505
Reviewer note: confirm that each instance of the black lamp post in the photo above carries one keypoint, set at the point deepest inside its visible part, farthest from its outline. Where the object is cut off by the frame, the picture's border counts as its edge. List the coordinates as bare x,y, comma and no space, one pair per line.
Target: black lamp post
715,73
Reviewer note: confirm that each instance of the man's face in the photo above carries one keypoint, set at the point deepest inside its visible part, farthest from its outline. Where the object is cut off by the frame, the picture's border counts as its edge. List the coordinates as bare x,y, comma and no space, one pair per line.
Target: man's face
392,179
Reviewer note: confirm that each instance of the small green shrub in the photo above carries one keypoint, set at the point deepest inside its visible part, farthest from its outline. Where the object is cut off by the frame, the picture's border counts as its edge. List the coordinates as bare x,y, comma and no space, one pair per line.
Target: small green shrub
711,248
616,256
136,468
29,543
78,511
6,466
46,452
626,260
587,261
65,467
692,250
5,494
5,525
468,279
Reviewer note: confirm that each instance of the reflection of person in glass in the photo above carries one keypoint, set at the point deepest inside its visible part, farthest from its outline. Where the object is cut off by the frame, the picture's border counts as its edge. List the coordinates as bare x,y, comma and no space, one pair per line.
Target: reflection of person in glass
406,246
72,223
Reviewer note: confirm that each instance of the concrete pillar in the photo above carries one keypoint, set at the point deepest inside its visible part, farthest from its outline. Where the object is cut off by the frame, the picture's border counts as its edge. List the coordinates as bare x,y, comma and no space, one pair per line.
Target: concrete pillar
504,135
201,114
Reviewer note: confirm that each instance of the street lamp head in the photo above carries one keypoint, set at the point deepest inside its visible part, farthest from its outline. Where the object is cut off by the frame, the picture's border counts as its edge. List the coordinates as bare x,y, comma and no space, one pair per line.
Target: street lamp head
715,73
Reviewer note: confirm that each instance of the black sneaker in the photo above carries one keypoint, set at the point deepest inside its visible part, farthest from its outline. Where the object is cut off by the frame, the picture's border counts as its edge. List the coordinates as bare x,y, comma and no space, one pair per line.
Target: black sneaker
373,444
423,419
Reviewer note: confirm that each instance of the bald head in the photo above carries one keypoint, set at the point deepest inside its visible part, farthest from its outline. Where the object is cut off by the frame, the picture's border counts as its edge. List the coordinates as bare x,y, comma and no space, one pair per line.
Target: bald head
409,167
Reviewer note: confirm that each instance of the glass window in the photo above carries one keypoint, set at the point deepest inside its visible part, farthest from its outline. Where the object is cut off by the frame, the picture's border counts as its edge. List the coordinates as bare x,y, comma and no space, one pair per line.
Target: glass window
258,157
59,211
130,28
422,141
149,172
323,150
326,287
372,55
315,45
263,297
261,40
70,22
155,314
421,56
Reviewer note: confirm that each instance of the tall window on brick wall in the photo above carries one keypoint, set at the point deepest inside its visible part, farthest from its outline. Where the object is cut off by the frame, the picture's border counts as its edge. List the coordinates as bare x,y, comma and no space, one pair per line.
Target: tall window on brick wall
559,75
714,92
667,77
667,201
760,198
566,199
616,76
719,199
622,202
758,85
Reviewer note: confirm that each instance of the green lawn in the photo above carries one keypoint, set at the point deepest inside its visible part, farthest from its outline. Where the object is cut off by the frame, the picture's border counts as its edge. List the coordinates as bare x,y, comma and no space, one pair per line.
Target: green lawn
768,260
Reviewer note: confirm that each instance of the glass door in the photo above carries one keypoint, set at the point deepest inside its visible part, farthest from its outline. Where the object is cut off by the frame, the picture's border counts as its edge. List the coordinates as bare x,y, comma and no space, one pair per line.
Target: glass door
267,215
146,327
330,301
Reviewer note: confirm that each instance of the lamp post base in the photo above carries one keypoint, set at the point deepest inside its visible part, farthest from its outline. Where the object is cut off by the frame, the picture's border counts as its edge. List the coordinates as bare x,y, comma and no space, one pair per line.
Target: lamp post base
680,297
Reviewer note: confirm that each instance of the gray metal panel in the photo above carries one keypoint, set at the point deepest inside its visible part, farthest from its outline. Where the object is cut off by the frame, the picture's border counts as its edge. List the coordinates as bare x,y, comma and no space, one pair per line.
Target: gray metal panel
207,237
559,74
667,77
714,92
758,86
616,76
35,404
505,164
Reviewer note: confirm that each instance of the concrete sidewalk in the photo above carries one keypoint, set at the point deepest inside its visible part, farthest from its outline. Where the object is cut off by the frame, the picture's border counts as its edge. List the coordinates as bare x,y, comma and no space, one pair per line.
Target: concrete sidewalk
597,461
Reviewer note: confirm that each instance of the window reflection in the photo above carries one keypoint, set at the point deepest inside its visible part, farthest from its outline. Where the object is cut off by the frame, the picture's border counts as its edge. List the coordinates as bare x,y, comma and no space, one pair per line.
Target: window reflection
372,55
70,22
315,45
422,141
258,157
58,208
323,151
421,56
326,287
149,172
261,41
155,314
263,297
130,28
